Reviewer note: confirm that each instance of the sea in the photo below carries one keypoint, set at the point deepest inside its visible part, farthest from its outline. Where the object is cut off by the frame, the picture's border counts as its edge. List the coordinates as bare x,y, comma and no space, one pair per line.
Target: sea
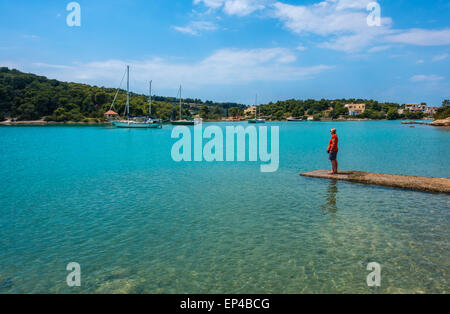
115,202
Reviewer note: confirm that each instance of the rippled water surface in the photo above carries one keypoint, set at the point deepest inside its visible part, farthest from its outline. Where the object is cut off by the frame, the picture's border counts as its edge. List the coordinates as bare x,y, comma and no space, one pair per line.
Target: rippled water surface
137,222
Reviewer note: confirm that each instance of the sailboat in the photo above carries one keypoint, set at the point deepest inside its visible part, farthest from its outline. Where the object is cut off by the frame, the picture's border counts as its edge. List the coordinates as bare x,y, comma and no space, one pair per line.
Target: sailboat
182,121
137,122
256,120
292,119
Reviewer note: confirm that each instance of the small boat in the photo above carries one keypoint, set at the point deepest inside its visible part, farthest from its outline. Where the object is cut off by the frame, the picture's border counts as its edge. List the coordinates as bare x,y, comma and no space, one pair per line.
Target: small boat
413,122
182,121
187,122
136,122
294,119
257,120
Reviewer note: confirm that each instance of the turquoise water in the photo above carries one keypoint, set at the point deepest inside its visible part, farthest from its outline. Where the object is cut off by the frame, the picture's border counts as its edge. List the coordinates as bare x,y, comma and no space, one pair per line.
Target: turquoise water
113,201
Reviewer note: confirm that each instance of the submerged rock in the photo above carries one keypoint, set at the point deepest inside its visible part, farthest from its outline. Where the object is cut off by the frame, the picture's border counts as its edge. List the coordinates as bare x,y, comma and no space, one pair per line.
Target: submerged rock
6,283
118,286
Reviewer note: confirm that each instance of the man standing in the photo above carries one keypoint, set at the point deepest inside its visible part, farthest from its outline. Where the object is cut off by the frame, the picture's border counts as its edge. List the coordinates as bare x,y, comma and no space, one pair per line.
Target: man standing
333,150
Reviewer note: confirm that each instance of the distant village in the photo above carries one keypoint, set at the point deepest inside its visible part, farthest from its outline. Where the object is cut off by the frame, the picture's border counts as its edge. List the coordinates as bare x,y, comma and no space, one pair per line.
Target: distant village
354,111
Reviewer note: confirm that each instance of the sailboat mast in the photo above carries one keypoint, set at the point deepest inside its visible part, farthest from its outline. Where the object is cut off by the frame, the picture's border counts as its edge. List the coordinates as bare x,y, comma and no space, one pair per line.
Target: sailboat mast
180,103
256,106
128,90
150,100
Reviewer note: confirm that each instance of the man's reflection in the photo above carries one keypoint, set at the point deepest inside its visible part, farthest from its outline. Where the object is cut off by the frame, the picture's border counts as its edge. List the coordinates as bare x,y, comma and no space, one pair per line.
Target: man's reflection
330,205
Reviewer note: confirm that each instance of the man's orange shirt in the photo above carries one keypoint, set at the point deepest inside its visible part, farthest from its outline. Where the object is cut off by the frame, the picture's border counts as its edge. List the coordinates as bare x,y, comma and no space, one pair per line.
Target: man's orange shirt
335,148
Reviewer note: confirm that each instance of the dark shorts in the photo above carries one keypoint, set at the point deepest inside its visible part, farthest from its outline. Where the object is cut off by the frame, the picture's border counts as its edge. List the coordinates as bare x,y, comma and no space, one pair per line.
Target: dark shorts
333,155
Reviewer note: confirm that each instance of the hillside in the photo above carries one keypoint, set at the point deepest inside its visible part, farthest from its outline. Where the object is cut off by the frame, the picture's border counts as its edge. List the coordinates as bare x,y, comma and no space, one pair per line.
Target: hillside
26,96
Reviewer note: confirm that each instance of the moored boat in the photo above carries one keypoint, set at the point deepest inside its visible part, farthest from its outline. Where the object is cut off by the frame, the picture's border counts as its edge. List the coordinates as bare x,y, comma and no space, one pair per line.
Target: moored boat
136,122
257,120
182,121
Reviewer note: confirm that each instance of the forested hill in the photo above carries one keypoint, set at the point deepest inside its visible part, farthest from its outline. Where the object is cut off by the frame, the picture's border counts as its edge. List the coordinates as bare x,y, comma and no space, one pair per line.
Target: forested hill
31,97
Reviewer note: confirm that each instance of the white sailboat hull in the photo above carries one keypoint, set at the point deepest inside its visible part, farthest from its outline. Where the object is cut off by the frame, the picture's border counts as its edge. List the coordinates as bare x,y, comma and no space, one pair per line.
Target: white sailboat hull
187,122
136,122
257,121
136,125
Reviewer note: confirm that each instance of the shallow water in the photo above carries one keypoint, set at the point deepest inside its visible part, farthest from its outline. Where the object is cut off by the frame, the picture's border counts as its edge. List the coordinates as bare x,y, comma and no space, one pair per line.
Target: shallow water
137,222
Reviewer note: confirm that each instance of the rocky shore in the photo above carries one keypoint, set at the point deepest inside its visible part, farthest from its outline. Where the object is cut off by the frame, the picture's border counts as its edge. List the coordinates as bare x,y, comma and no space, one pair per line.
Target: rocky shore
443,122
43,122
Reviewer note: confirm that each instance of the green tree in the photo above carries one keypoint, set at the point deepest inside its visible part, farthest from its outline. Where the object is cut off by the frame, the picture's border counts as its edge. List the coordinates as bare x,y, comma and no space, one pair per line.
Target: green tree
74,115
217,111
413,115
101,98
27,111
339,110
442,113
204,112
278,115
393,114
59,115
298,112
233,112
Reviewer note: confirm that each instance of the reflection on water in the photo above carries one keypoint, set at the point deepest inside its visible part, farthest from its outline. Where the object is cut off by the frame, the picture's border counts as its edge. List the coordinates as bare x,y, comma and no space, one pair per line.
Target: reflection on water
330,205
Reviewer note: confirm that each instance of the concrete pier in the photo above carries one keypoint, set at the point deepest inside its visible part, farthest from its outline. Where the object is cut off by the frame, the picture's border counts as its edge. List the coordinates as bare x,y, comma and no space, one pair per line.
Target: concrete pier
425,184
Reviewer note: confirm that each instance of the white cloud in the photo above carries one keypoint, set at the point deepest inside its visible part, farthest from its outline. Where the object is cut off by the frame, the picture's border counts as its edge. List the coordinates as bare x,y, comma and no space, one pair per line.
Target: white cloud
322,18
426,78
350,43
301,48
51,66
226,66
242,7
27,36
344,23
420,61
422,37
235,7
440,57
194,28
215,4
379,48
352,4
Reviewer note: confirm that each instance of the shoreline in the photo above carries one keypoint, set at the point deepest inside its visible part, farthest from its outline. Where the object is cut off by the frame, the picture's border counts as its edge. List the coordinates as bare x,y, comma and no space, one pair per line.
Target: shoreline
47,123
435,123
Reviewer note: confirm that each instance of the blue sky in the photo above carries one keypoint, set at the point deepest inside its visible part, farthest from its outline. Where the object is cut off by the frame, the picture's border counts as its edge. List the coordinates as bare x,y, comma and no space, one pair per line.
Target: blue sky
229,50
